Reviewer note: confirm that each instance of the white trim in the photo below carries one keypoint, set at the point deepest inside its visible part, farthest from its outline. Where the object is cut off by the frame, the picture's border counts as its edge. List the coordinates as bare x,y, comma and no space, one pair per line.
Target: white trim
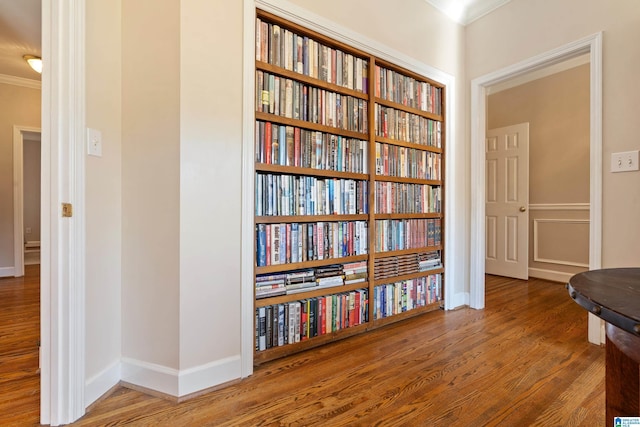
150,375
536,256
19,136
592,44
539,74
63,239
200,378
465,13
20,81
18,202
554,276
7,271
247,313
559,206
102,382
177,383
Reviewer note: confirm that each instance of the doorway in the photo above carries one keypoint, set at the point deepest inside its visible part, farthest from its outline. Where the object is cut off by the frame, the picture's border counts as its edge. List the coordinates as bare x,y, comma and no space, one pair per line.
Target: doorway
591,45
26,196
553,242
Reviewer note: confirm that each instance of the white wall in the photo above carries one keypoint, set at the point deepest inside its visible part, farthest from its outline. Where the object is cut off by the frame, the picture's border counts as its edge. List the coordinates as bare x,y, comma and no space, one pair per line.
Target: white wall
522,29
103,198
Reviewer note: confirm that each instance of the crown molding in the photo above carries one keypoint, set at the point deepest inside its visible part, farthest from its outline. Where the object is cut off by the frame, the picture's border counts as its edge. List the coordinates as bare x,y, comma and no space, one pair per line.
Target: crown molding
20,81
465,12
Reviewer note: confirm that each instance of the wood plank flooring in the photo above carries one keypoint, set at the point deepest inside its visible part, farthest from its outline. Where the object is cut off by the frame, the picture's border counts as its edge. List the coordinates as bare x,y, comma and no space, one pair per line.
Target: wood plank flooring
523,361
19,337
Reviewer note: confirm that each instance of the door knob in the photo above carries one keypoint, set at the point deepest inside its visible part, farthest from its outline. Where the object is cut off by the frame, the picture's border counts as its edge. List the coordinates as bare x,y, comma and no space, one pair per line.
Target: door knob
523,209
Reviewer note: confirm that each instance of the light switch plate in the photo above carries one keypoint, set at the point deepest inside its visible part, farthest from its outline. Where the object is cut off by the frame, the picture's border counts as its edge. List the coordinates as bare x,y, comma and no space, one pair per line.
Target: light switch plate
94,142
625,161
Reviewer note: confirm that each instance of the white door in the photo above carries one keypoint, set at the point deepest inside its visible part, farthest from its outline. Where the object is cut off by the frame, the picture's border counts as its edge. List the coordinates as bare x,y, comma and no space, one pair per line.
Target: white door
507,201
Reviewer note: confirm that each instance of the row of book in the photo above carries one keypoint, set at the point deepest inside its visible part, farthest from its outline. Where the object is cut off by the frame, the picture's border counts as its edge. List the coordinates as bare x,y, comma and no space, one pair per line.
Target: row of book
281,47
403,126
296,281
398,197
295,100
288,323
406,264
292,146
404,162
308,195
286,243
405,90
400,234
406,295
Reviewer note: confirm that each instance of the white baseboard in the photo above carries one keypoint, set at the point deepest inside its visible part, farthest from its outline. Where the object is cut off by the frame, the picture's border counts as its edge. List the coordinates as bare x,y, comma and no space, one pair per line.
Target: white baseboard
7,271
101,383
209,375
556,276
151,376
458,300
177,383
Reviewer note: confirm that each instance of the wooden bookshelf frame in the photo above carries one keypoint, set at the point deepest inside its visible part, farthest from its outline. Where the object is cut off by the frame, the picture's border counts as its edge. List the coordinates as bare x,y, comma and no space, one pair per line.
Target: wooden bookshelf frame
371,176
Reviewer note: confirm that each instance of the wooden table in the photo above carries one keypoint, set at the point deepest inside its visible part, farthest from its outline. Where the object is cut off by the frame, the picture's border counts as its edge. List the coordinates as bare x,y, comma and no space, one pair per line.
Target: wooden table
614,296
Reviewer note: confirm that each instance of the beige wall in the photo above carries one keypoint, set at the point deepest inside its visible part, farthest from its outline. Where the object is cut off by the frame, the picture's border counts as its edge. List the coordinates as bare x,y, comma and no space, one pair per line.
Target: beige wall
151,181
557,110
103,195
210,182
18,106
522,29
31,189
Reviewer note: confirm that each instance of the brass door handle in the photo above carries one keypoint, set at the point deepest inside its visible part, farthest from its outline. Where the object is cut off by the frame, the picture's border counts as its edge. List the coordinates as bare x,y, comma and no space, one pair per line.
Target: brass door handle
523,209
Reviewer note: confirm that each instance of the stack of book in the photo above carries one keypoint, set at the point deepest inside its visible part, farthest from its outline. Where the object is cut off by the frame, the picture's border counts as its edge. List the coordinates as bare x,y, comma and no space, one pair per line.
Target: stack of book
429,260
270,285
300,281
355,272
395,266
329,276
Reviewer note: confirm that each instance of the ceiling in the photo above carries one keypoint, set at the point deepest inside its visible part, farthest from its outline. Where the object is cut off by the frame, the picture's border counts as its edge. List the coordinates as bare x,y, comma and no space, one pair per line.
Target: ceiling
20,34
466,11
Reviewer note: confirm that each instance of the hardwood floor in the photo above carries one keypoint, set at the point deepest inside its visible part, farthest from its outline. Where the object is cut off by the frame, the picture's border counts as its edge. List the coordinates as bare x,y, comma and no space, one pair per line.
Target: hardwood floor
19,337
523,361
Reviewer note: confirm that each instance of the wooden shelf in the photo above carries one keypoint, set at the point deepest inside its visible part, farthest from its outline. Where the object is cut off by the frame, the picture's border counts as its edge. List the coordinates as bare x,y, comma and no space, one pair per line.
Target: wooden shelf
367,97
294,170
308,264
311,293
267,117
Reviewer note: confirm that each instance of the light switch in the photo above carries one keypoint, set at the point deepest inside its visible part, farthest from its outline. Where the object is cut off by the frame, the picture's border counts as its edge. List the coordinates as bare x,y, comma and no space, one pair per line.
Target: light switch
626,161
94,142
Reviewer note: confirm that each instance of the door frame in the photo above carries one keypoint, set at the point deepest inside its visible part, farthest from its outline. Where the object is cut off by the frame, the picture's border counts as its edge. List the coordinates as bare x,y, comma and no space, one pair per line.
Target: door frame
18,195
593,45
62,267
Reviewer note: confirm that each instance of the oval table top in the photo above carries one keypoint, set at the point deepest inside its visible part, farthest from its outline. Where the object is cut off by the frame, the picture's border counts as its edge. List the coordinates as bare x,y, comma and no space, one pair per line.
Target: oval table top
612,294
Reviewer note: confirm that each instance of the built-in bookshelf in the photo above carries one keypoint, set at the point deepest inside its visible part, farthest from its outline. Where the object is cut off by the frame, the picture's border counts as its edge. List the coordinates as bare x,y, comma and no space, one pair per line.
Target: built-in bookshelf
349,159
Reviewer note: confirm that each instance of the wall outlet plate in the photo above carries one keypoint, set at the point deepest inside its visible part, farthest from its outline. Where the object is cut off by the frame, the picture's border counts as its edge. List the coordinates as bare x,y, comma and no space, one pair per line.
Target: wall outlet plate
625,161
94,142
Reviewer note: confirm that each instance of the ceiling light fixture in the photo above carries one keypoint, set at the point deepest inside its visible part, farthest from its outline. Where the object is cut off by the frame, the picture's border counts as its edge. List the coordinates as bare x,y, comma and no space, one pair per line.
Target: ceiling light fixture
34,62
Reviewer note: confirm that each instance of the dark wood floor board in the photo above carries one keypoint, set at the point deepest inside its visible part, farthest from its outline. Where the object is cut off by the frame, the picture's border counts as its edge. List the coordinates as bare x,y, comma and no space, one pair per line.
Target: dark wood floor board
19,352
